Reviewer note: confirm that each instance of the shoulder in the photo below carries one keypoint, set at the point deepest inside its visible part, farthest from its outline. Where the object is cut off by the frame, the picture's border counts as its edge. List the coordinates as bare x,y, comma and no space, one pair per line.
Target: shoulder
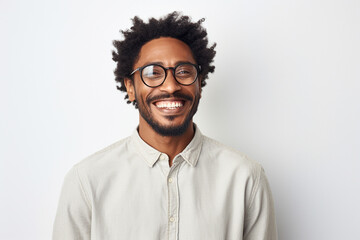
107,158
223,156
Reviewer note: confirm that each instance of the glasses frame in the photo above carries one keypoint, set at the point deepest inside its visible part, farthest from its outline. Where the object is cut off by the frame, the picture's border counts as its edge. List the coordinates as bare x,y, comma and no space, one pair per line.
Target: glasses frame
197,67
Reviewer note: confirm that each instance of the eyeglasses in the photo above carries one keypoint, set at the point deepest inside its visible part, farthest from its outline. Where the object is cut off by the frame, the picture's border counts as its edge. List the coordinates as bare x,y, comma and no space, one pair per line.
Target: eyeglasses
153,75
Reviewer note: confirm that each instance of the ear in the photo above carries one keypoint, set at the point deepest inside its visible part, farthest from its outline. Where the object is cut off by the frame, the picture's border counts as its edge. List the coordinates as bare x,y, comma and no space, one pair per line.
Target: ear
199,82
129,84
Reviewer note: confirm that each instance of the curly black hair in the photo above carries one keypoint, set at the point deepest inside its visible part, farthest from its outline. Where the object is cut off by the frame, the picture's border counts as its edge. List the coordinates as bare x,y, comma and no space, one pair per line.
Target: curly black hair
172,25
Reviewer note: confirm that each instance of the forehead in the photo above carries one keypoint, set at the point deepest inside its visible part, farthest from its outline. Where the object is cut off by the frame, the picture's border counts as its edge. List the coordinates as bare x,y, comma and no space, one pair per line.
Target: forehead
165,50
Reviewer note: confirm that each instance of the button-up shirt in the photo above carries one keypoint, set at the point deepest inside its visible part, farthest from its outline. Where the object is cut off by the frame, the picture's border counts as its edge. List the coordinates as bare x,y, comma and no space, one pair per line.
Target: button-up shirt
128,191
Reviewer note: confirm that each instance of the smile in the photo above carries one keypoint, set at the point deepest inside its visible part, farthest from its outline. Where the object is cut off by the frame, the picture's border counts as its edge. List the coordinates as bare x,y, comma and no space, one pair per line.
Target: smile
169,104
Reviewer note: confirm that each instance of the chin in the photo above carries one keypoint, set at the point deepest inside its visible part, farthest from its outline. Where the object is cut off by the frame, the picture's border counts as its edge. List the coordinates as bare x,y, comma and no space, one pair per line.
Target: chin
169,130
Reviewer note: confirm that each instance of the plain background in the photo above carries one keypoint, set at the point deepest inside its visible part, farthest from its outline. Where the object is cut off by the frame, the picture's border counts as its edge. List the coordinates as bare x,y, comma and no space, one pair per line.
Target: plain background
285,93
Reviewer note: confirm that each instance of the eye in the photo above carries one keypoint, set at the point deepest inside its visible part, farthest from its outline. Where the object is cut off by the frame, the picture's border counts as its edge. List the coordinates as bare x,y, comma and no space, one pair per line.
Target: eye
185,71
182,71
153,72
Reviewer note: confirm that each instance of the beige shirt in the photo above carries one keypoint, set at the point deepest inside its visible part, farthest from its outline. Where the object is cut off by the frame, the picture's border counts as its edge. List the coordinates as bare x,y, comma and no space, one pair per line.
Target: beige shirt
128,191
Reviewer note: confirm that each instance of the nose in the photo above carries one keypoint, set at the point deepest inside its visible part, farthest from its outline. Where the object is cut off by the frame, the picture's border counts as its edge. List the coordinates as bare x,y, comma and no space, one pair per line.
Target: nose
170,84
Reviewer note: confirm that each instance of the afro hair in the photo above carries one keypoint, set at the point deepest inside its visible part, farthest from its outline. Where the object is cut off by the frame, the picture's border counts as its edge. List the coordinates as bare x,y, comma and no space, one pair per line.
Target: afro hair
172,25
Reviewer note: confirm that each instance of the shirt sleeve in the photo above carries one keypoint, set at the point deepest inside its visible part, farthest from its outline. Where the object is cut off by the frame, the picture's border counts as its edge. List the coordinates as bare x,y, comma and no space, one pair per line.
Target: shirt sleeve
73,217
260,223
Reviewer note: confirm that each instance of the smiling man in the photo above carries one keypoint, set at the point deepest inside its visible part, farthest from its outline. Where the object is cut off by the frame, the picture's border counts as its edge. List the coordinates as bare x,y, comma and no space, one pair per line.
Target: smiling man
166,107
167,180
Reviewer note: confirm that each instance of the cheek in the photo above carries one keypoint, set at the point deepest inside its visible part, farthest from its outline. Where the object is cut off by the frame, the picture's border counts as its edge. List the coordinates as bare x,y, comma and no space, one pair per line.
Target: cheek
141,93
197,91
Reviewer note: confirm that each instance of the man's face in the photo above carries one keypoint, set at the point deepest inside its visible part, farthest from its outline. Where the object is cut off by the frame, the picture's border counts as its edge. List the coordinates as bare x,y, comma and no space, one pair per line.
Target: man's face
168,108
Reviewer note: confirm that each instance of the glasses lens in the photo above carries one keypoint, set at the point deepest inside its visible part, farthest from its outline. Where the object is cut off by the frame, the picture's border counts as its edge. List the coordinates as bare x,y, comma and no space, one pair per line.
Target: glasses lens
186,73
153,75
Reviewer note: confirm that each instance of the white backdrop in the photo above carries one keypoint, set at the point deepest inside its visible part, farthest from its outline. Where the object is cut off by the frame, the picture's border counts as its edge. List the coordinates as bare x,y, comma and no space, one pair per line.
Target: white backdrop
285,92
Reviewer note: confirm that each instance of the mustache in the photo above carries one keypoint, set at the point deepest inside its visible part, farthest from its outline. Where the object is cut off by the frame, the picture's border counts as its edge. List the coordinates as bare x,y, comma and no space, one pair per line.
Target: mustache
167,95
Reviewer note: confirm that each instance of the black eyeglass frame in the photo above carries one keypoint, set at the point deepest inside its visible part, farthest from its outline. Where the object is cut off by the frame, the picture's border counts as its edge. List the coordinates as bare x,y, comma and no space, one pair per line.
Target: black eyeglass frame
197,67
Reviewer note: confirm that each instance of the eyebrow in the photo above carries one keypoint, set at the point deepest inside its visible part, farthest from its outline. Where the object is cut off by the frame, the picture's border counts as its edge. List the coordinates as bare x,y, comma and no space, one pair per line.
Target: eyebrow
162,64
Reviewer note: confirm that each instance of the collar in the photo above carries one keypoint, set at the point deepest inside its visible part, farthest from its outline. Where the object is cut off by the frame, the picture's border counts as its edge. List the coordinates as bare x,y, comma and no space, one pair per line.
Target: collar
190,154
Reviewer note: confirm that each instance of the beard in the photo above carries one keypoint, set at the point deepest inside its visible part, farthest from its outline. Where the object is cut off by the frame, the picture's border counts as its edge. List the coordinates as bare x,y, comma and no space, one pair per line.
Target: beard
158,127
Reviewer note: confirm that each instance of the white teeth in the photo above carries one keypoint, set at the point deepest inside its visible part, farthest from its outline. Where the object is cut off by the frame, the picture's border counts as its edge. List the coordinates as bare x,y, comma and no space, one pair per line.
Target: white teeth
170,105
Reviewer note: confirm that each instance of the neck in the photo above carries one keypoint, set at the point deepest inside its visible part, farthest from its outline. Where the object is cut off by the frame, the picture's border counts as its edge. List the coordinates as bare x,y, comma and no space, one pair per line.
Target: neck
171,145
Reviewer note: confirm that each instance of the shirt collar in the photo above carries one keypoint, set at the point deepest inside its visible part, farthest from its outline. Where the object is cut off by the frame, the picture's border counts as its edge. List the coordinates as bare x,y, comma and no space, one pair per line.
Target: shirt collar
190,154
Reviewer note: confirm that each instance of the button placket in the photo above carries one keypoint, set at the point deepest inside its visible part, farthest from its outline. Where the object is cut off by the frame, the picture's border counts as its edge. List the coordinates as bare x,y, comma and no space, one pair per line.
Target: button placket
173,202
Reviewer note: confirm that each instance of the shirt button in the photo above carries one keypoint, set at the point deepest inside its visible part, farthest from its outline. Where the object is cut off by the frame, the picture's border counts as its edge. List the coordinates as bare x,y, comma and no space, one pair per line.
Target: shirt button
170,180
172,219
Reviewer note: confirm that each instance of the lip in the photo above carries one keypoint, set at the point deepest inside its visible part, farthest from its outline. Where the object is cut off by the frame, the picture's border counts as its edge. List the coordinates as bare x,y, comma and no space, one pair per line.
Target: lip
172,110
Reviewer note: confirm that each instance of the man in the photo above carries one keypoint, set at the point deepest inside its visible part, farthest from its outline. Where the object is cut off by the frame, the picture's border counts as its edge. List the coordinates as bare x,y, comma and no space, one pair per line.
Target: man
167,180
